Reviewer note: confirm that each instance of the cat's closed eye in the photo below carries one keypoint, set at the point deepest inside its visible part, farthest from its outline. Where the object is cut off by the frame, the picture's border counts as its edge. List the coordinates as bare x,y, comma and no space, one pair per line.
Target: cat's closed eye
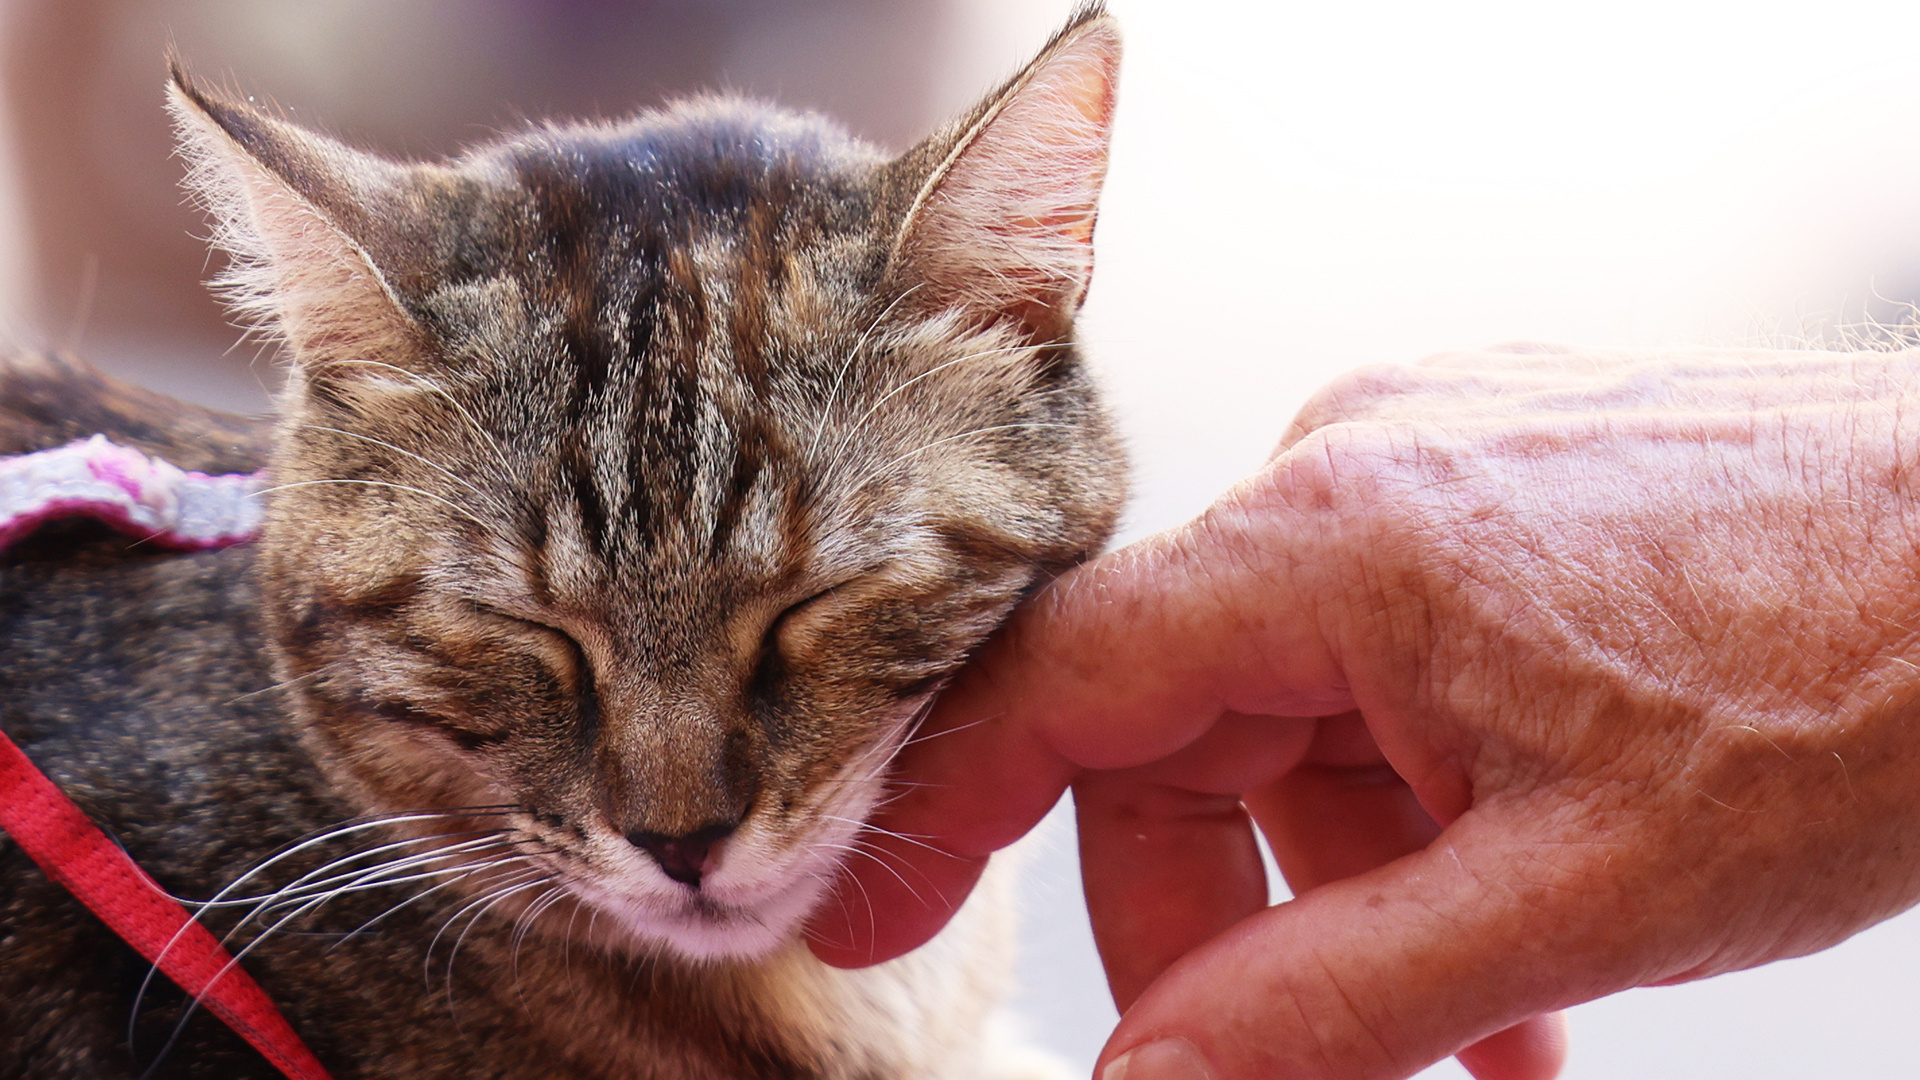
790,634
793,625
558,648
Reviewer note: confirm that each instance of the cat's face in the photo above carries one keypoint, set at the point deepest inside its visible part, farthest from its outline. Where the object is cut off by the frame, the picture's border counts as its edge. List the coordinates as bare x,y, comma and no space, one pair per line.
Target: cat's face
648,479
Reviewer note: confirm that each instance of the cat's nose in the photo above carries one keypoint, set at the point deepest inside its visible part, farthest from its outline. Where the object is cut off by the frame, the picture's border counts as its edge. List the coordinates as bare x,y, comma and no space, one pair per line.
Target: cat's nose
685,858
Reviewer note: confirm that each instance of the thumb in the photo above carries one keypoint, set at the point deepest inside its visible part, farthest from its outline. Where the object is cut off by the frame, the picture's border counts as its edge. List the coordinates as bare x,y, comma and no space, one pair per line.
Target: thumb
1117,663
1377,976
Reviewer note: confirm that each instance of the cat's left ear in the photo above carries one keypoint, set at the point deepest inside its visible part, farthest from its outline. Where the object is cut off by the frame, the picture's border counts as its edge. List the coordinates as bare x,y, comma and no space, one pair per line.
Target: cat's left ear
300,213
1001,223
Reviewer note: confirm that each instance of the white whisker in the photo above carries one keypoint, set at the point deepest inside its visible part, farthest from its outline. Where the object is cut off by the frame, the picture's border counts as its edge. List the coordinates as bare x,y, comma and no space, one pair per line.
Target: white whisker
854,427
315,673
233,961
523,924
514,879
486,437
449,473
380,878
856,849
454,953
920,737
909,455
488,836
325,836
465,873
422,492
846,365
916,842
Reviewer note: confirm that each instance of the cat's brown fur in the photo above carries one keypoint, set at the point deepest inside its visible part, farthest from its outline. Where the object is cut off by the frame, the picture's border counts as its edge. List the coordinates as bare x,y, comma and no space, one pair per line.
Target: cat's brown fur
634,488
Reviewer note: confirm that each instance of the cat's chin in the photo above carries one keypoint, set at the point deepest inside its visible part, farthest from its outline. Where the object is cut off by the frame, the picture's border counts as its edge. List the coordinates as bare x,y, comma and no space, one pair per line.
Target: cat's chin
707,928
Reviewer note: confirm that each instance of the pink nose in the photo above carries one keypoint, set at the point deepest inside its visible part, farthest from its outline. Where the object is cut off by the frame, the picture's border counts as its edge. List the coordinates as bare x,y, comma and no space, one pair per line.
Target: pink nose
686,858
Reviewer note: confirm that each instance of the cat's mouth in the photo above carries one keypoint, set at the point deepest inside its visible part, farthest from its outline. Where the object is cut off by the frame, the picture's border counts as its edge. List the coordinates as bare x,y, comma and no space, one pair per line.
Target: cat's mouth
705,924
766,883
751,905
749,900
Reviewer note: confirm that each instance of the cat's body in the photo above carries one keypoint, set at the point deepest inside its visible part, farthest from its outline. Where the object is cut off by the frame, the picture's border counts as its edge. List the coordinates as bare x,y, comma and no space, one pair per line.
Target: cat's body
635,488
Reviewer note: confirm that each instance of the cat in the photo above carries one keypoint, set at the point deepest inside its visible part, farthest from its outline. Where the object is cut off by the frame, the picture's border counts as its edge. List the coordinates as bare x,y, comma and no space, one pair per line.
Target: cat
635,488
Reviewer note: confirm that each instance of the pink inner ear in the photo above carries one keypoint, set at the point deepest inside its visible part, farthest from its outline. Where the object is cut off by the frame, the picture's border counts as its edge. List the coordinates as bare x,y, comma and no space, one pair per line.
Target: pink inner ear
1080,107
294,269
1010,225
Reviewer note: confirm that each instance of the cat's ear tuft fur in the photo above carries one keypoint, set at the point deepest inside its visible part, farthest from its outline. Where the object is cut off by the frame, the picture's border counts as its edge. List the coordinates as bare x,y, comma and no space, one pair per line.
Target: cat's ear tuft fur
1002,222
284,202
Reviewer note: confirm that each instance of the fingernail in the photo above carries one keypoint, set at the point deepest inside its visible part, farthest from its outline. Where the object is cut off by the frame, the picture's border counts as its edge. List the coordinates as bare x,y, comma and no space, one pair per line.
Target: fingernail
1168,1059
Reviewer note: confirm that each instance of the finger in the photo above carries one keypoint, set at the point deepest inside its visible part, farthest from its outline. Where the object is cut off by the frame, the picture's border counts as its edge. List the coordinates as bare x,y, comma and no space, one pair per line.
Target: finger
1120,662
1534,1049
1127,659
1327,823
1343,812
1164,870
1167,855
1382,974
919,890
963,789
1349,396
1376,392
1237,753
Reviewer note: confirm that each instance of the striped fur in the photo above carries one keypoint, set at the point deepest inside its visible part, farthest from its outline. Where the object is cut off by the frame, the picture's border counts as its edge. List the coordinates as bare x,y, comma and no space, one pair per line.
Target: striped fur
648,478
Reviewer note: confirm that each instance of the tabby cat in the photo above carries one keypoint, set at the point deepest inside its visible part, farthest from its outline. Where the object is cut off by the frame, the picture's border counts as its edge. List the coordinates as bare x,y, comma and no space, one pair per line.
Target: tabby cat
635,488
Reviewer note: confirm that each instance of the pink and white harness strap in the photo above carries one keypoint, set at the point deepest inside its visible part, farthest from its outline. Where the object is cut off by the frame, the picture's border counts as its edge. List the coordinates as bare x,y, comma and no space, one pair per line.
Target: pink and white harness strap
139,495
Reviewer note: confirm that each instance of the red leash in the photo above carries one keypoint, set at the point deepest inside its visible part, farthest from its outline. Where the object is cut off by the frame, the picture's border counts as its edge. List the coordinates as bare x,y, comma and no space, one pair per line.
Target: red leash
74,852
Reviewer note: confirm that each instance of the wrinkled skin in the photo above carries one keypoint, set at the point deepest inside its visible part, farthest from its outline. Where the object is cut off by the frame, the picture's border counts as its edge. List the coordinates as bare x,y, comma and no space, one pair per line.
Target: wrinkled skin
1546,673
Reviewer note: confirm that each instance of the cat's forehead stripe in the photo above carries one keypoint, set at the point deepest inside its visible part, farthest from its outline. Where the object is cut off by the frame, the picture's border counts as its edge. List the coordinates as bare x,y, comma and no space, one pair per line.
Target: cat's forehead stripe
655,320
669,440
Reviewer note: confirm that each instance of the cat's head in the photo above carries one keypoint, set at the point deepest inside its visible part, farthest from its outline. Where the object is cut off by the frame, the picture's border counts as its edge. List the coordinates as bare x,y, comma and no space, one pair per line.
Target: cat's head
648,478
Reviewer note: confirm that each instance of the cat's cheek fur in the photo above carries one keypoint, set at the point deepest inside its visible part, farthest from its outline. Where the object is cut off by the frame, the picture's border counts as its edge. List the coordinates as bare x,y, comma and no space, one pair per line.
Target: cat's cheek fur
394,769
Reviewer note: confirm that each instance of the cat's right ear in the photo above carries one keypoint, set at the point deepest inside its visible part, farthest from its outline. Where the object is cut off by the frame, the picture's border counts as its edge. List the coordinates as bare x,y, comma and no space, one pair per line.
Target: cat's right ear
287,204
1000,222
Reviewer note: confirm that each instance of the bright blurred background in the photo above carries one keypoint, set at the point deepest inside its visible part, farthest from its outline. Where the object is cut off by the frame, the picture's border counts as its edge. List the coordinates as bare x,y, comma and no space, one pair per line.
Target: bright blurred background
1296,190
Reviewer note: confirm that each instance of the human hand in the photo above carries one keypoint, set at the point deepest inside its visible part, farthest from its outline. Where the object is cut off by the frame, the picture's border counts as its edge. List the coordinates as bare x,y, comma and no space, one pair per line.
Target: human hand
1545,674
